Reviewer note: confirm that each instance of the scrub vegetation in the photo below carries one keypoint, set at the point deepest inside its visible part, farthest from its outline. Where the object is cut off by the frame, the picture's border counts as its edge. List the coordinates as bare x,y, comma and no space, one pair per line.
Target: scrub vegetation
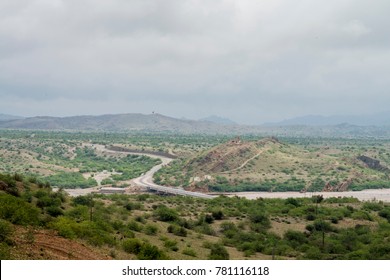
148,226
39,223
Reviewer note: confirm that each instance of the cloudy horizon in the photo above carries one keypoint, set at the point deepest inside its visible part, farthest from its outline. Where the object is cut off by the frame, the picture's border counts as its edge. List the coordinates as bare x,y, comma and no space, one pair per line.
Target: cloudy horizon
250,61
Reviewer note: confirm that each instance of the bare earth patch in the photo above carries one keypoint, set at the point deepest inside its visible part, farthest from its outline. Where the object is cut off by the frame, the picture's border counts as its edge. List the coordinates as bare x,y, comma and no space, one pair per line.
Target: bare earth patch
35,244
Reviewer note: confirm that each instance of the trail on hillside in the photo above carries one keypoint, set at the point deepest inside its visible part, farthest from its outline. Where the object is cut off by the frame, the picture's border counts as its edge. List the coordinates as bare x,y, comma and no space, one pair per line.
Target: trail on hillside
244,164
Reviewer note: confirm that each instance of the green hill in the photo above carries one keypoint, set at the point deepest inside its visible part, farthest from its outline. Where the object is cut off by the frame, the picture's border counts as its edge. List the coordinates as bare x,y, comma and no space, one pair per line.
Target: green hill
269,165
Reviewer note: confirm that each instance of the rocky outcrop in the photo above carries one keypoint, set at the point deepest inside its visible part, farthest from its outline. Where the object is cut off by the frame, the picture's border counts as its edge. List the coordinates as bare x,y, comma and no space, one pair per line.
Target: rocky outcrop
342,187
372,163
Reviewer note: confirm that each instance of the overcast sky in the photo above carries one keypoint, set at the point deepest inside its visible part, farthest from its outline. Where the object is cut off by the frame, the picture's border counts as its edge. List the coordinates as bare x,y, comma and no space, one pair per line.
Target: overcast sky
253,61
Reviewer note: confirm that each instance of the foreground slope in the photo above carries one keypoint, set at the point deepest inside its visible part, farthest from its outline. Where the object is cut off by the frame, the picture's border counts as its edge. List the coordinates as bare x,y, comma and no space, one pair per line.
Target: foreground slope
36,223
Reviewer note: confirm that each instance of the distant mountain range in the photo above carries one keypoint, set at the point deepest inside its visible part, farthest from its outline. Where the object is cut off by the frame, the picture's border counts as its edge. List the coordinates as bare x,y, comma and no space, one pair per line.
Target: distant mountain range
379,119
122,122
219,120
156,123
5,117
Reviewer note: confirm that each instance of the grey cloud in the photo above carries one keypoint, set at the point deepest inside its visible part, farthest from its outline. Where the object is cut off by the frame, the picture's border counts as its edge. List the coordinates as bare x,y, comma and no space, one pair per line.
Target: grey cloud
249,60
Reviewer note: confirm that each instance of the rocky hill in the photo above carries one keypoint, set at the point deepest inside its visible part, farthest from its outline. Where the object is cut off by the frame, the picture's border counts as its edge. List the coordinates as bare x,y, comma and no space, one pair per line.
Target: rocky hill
270,165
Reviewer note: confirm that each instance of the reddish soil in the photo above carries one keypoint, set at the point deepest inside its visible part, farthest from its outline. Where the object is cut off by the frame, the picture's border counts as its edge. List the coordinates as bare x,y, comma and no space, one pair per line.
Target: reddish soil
33,244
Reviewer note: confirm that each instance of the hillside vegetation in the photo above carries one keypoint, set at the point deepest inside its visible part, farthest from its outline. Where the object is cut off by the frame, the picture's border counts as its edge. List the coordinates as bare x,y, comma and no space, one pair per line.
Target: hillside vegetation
206,163
36,223
271,165
68,160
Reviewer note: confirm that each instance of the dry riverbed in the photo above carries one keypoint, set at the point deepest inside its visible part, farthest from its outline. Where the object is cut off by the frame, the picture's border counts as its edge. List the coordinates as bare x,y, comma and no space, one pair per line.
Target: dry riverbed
364,195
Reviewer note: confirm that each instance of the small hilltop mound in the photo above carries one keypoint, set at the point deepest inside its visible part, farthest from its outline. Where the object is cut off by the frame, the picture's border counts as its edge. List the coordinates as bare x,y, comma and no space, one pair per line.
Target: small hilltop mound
231,156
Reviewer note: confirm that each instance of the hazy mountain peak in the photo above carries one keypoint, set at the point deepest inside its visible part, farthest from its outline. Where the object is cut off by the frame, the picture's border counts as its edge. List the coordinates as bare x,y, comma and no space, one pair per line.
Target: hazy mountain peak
5,117
375,119
218,120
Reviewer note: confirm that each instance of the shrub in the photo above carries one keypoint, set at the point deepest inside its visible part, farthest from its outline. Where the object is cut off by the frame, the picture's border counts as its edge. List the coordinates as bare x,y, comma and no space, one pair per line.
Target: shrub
65,227
82,200
310,217
128,233
218,252
177,230
361,215
150,252
205,229
189,252
4,252
132,246
320,225
171,244
133,206
373,206
166,214
313,253
5,230
150,229
358,255
295,238
209,219
317,198
8,184
228,226
260,221
385,213
70,180
17,211
133,225
292,201
94,233
54,211
380,251
334,220
217,214
143,197
78,213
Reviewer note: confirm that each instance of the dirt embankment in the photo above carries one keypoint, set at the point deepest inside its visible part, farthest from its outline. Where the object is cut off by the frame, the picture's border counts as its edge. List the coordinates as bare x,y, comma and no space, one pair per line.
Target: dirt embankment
155,153
33,244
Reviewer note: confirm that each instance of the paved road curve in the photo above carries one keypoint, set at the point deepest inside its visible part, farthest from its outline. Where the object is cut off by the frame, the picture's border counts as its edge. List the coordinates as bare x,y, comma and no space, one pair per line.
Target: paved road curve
146,181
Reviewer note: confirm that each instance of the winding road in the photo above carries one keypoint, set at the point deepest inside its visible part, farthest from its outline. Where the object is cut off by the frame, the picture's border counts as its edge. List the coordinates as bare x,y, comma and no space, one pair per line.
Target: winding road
146,181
